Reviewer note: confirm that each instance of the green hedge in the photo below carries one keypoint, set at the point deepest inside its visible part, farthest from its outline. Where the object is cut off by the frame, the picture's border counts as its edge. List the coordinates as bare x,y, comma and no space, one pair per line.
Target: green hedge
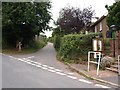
57,41
76,46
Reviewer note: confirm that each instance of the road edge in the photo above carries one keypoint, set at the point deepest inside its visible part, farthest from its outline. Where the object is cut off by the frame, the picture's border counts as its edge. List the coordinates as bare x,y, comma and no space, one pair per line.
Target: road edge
90,77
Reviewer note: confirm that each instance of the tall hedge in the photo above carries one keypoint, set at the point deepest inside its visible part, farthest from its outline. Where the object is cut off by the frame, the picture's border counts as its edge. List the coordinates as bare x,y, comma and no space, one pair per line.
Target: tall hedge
76,46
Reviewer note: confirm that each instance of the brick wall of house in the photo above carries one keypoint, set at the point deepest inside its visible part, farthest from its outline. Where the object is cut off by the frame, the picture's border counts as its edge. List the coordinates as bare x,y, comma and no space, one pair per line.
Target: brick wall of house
98,27
104,27
117,44
104,31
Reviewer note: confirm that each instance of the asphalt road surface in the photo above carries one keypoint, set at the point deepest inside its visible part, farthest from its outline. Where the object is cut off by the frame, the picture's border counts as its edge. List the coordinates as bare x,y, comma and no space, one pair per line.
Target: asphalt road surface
42,72
17,74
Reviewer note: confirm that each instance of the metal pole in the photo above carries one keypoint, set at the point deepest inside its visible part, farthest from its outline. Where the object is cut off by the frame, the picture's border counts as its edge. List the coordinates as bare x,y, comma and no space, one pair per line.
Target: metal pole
88,61
114,47
98,63
113,35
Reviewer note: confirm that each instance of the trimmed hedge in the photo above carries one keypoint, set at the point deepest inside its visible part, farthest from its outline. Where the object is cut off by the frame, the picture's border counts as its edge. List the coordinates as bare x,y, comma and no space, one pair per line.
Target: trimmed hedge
76,46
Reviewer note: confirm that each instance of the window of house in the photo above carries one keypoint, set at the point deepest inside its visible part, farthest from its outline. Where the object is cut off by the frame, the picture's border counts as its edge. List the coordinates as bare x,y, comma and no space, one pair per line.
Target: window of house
95,29
100,26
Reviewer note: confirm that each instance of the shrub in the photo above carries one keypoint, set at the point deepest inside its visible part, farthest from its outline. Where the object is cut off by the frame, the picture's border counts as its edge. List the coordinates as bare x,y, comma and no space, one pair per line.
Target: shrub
57,41
106,62
50,39
76,46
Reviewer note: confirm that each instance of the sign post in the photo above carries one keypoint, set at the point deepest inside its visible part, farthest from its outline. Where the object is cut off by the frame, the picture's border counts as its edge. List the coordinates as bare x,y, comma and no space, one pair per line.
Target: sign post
97,51
95,62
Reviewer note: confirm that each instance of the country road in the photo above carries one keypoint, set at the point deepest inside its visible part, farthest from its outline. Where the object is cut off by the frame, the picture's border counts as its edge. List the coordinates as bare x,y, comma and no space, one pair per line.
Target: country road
41,70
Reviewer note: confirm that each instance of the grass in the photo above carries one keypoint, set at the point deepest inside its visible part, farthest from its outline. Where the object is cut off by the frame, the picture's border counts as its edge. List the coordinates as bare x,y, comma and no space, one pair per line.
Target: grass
15,51
40,45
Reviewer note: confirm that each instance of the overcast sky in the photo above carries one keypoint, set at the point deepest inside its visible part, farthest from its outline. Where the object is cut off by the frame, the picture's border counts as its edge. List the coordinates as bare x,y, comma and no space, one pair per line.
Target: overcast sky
97,5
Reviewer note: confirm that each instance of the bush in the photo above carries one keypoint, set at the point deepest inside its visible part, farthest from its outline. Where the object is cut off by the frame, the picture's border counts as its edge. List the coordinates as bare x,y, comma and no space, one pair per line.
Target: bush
37,44
76,46
50,39
57,41
106,62
5,45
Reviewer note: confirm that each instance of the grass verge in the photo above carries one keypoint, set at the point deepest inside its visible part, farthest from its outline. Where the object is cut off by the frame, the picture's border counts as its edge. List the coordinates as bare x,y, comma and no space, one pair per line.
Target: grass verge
29,50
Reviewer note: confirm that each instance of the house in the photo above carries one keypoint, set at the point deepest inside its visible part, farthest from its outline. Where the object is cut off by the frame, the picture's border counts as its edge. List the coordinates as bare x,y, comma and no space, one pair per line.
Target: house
99,26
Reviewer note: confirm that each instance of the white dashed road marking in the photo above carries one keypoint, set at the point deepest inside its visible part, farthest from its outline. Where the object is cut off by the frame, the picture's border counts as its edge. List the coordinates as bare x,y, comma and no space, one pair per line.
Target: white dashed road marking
85,81
12,57
44,68
53,70
38,66
102,86
70,73
60,73
31,57
45,65
72,77
32,61
51,67
58,70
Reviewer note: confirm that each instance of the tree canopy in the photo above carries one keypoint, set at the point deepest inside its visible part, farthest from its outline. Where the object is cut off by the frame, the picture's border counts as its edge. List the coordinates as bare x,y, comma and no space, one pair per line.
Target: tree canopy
21,21
113,17
72,20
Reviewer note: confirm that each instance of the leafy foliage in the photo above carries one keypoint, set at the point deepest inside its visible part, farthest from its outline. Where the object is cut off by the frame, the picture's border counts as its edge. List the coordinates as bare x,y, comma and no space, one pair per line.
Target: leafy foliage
76,46
57,42
72,20
58,32
23,20
113,17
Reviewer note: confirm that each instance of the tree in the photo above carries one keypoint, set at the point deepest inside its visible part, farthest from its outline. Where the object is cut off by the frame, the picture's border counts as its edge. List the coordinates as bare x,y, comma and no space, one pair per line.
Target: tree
113,17
23,20
58,32
72,20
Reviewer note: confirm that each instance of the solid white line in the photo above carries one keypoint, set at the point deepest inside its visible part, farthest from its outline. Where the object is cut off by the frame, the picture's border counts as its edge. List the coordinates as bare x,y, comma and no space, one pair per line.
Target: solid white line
51,70
85,81
60,73
98,85
72,77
